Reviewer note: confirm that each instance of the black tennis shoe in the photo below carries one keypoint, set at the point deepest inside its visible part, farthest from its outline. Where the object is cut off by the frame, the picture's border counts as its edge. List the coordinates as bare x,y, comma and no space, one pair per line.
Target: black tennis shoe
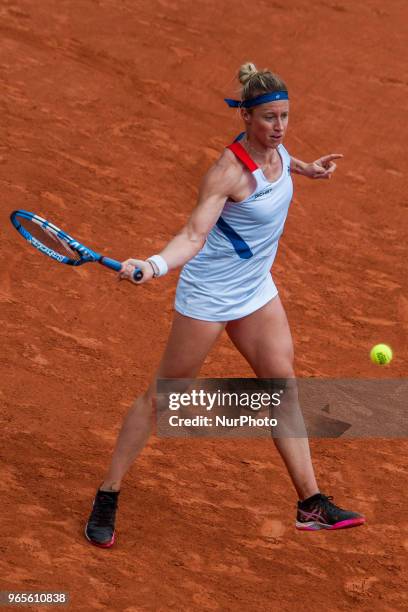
100,528
318,512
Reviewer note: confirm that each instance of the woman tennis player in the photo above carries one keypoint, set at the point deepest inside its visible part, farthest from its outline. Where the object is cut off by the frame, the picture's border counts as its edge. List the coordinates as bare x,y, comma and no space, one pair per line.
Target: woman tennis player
227,249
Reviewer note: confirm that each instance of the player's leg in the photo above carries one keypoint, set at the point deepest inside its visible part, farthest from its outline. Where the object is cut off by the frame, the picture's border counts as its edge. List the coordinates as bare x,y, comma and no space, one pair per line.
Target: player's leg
189,342
264,339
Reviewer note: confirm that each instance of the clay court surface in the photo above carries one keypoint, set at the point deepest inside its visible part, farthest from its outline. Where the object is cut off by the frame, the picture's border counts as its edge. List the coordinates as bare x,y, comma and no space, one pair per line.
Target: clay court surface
111,111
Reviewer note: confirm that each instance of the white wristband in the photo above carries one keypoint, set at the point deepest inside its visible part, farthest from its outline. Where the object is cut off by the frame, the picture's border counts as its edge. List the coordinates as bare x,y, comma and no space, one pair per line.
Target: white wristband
161,264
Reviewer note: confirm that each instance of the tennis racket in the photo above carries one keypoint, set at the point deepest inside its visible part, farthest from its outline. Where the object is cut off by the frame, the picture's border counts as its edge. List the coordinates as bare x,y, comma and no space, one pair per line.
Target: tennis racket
58,245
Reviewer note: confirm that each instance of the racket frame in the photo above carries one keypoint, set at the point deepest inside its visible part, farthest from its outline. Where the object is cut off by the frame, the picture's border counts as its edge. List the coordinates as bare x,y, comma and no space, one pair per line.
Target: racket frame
86,254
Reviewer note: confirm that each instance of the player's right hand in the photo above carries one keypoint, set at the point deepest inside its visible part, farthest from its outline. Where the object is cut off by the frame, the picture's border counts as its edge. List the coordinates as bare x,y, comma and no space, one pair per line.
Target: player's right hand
128,268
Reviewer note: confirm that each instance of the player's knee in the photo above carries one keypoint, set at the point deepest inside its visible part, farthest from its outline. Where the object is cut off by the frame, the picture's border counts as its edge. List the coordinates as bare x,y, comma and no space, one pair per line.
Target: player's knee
150,399
145,403
278,368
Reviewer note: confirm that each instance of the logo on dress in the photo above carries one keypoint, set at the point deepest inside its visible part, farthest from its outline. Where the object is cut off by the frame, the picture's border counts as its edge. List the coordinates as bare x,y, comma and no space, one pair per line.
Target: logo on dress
263,192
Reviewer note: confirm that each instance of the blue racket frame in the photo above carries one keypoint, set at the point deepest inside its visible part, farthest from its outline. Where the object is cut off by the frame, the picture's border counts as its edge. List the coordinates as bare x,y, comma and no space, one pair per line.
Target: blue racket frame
85,253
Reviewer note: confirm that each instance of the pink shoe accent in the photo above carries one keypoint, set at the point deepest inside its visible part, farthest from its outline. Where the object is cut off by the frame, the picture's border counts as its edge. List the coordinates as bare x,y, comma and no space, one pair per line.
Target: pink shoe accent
355,522
348,523
105,545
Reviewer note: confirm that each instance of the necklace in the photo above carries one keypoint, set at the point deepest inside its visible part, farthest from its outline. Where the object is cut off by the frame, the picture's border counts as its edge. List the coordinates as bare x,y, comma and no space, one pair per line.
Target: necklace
250,148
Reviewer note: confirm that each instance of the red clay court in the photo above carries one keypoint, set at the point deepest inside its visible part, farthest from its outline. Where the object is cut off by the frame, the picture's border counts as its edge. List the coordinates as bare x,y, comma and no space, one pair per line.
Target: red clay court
110,113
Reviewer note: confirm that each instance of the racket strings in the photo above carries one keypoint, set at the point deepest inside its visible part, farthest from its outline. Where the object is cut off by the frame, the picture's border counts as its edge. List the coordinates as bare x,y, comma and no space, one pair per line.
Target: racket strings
49,239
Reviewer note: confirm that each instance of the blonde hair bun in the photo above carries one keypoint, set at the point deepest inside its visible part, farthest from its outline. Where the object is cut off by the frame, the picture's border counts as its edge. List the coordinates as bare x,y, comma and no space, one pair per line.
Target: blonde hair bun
256,82
246,72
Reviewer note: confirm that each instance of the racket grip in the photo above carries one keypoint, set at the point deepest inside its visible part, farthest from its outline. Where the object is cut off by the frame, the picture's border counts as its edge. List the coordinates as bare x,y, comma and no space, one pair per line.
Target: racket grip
137,274
116,265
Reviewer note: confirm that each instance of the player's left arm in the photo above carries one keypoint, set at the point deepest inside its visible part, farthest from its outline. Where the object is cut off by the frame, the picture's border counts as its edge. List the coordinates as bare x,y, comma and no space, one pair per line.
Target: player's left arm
321,168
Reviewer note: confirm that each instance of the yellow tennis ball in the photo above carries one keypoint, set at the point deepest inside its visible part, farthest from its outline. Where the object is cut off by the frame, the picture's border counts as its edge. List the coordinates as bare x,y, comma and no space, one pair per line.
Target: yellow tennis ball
381,354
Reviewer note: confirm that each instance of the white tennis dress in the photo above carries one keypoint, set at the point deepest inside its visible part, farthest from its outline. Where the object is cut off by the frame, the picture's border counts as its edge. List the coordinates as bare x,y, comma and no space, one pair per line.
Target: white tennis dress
230,277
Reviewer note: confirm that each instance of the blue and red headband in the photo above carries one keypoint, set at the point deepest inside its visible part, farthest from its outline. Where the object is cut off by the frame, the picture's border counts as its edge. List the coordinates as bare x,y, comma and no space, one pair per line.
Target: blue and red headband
262,99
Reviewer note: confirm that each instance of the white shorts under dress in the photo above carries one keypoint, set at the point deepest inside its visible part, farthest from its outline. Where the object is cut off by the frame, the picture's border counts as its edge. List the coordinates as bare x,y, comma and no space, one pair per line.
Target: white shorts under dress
230,277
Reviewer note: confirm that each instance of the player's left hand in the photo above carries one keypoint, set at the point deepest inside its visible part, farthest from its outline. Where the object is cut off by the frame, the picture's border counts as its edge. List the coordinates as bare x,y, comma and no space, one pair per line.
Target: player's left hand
323,167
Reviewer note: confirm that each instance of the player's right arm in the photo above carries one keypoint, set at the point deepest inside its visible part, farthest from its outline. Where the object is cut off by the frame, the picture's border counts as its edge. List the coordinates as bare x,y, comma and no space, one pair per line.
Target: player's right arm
216,186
